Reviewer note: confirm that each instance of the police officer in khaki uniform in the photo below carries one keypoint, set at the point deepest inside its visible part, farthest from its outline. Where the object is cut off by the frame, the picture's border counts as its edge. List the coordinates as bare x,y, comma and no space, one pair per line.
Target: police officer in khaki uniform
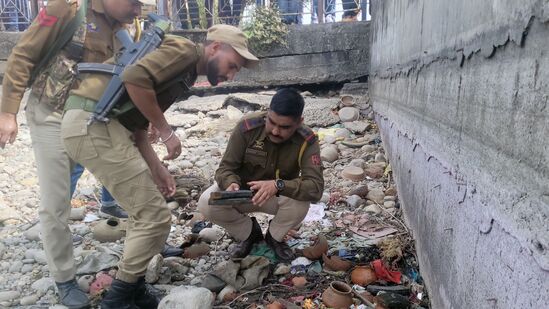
278,157
119,155
93,41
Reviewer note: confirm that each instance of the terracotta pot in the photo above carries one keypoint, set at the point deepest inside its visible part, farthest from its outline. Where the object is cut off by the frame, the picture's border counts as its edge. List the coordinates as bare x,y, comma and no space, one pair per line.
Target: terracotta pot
316,251
363,275
347,100
336,263
338,295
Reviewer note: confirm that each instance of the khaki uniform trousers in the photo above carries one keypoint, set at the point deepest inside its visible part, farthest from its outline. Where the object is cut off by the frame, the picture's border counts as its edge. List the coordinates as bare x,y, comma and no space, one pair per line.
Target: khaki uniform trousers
54,169
109,153
288,214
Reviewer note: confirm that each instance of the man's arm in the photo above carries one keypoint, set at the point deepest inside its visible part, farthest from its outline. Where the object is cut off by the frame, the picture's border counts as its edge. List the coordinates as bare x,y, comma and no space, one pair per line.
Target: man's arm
231,162
162,178
310,185
29,50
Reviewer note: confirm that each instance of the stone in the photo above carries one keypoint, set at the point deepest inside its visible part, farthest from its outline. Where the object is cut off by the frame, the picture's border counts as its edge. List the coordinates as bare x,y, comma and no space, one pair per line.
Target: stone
329,154
182,120
227,294
187,297
153,269
26,268
391,191
43,285
374,171
380,158
81,229
211,234
33,234
325,197
357,126
358,163
389,204
375,209
330,139
77,214
234,113
29,300
9,296
281,269
376,195
15,267
185,164
355,201
389,197
2,250
368,148
198,104
342,133
361,191
212,283
173,205
348,114
353,173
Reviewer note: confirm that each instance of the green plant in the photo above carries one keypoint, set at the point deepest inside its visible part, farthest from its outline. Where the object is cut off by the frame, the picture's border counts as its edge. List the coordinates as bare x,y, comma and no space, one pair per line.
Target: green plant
265,29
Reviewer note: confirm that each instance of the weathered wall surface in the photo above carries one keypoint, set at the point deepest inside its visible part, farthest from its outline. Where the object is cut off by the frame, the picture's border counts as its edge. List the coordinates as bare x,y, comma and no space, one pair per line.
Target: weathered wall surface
460,89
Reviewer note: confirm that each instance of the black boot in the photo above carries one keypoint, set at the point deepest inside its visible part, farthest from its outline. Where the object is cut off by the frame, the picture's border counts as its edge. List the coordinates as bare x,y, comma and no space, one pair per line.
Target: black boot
281,248
119,296
244,247
144,297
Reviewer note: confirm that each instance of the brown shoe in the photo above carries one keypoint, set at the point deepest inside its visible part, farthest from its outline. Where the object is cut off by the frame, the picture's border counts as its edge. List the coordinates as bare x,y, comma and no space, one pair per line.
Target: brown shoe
283,252
244,247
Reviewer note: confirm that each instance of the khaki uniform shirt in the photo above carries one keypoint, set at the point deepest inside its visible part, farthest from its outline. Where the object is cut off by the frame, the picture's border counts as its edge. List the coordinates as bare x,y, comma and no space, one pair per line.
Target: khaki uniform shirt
99,45
251,156
175,57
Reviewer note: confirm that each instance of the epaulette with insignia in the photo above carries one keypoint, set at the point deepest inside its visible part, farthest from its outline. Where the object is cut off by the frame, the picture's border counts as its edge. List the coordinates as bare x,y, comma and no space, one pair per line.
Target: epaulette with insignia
252,123
308,134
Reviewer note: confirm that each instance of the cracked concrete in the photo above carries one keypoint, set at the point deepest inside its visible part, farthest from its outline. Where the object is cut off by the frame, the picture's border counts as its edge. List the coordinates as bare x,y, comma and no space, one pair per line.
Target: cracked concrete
460,92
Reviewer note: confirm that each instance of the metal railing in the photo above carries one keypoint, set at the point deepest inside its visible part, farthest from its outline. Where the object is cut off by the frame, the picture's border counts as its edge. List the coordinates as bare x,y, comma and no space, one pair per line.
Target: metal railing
16,15
191,14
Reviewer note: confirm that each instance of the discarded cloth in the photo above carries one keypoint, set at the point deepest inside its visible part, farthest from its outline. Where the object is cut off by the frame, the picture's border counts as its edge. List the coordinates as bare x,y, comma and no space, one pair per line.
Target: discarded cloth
247,274
385,274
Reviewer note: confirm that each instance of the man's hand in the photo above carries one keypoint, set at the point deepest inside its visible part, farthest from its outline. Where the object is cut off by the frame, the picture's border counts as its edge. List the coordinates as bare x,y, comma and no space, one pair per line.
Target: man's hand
172,143
264,190
233,187
153,134
8,128
164,181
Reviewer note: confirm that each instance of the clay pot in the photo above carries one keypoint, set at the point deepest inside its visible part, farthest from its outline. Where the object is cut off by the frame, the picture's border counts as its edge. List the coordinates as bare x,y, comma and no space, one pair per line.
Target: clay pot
316,251
336,263
275,305
347,100
110,230
363,275
338,295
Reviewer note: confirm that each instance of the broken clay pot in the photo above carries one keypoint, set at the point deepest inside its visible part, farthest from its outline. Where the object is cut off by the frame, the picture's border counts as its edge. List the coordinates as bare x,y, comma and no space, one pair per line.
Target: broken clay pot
316,251
347,100
338,295
336,263
363,275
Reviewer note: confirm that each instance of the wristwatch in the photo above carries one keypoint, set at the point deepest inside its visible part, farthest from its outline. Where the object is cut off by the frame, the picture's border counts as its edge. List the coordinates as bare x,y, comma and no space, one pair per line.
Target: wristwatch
280,185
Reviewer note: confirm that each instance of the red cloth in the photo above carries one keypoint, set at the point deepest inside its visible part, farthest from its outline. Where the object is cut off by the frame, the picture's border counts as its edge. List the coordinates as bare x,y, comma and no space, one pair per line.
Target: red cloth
385,274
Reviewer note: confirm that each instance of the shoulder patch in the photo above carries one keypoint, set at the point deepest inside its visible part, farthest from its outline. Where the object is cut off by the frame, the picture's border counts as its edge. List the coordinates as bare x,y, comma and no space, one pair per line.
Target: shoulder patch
252,123
45,20
308,134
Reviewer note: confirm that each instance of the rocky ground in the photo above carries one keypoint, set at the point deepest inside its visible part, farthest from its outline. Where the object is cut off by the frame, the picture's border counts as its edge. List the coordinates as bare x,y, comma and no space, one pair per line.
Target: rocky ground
357,222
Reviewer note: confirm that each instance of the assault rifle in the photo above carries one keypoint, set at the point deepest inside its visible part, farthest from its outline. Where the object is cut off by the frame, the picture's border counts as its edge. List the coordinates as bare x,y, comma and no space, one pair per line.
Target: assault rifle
131,52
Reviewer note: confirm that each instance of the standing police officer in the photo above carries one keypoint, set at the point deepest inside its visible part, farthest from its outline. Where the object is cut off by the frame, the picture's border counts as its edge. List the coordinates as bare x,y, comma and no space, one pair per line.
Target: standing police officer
93,41
119,155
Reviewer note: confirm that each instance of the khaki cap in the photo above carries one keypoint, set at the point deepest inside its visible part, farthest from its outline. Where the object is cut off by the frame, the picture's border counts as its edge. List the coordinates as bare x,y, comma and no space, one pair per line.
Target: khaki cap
148,2
235,37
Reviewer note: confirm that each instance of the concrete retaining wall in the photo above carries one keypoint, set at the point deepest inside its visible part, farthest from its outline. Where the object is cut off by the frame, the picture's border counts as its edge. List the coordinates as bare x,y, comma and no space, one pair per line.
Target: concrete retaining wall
460,90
